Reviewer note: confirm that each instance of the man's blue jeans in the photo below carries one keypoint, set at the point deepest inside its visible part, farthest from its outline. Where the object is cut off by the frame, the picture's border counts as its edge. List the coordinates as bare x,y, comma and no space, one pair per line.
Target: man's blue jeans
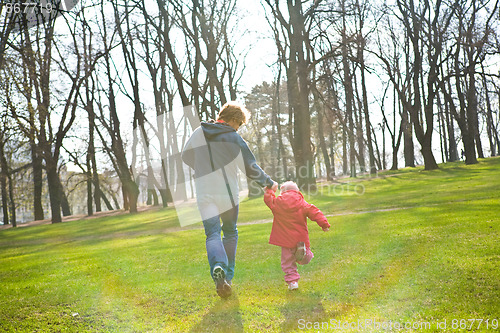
220,251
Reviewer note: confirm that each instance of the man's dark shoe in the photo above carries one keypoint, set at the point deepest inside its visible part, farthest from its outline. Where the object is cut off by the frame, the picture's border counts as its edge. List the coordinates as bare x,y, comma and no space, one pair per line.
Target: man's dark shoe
223,288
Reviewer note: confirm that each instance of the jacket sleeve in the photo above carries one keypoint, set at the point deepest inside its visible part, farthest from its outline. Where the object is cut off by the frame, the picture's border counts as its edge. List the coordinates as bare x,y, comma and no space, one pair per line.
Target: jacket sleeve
188,156
314,214
252,169
270,198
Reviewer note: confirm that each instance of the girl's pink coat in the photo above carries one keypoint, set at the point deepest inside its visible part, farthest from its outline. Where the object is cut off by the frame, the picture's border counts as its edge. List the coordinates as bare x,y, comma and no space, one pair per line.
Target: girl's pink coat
290,212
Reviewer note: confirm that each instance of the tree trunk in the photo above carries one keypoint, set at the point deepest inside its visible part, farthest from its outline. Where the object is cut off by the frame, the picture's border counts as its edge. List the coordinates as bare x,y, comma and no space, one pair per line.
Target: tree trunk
373,167
450,111
298,66
358,119
429,160
130,190
36,159
349,94
65,207
395,147
92,163
4,172
452,149
126,205
409,148
321,135
349,116
472,112
469,147
377,150
384,163
332,156
442,131
489,115
180,178
90,206
283,156
54,191
421,105
13,216
298,84
460,116
275,151
345,158
106,201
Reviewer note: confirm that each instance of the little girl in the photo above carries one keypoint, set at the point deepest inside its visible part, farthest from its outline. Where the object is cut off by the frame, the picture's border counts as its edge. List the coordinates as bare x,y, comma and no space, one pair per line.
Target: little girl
289,229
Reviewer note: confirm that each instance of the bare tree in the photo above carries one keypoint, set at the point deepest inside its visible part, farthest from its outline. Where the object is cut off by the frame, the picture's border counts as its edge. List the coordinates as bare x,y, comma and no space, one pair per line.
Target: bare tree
469,50
35,49
425,24
155,54
4,172
292,34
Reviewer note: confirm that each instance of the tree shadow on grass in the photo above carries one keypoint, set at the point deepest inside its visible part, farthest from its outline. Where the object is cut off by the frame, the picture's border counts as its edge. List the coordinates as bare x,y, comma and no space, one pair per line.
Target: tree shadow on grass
301,307
224,316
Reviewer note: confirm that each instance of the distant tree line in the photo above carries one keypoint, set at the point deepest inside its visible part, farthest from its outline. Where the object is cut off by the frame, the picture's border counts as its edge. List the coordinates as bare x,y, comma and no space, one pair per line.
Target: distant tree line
437,69
100,86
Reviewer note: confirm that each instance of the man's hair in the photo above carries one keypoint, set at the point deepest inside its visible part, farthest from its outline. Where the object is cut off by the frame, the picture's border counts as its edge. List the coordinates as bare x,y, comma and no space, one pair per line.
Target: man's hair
234,111
289,185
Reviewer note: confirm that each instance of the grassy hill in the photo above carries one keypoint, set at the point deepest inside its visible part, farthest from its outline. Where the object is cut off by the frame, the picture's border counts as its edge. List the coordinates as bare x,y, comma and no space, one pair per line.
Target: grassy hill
410,247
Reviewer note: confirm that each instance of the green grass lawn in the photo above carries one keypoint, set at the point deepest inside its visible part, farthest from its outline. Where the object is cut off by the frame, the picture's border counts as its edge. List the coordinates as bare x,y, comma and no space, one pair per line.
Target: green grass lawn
410,247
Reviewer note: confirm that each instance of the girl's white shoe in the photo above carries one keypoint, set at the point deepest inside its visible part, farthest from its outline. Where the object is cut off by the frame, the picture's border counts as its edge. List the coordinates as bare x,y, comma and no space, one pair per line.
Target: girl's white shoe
293,286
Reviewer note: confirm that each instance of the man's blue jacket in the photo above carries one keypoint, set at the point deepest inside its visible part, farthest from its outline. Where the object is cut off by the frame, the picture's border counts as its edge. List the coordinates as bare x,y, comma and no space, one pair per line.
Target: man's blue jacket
216,151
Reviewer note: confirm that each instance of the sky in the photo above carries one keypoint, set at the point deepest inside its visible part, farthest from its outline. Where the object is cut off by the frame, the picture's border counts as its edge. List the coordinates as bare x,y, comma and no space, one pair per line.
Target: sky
258,41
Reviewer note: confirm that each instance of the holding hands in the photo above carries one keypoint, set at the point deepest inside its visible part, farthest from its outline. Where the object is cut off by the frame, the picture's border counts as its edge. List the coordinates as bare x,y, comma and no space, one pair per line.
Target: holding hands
275,186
